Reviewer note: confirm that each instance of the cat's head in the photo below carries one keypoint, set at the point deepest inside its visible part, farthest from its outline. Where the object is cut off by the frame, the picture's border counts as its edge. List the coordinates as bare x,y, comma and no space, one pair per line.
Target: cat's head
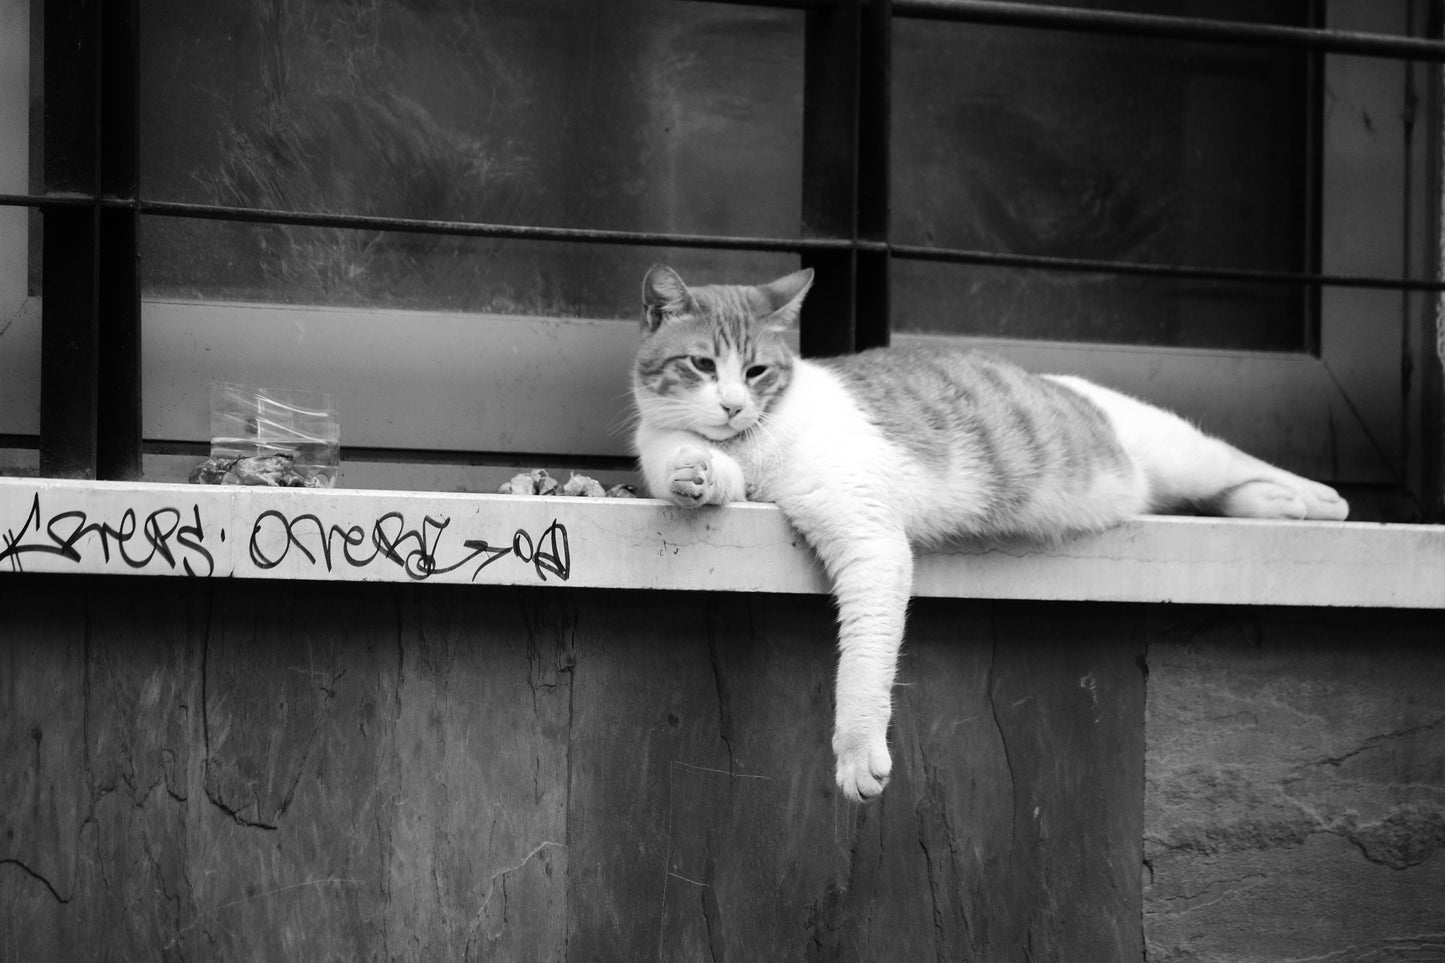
714,358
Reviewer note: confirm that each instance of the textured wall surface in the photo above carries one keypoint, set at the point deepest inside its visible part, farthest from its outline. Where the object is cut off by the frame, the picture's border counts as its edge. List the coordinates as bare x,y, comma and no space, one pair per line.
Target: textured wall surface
1295,796
269,771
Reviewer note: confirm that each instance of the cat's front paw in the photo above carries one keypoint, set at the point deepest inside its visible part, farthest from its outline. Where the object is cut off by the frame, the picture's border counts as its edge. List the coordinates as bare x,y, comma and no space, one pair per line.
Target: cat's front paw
863,764
690,479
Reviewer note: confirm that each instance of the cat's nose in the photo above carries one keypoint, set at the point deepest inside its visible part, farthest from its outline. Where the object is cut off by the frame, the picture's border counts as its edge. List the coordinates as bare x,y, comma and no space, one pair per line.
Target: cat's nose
732,398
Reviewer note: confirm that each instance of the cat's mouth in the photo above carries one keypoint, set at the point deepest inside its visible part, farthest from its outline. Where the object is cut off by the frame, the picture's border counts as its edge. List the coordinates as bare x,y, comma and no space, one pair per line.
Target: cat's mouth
721,432
726,431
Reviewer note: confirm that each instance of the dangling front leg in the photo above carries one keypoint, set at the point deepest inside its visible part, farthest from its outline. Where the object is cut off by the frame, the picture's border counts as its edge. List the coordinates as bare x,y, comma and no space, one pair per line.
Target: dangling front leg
684,469
872,574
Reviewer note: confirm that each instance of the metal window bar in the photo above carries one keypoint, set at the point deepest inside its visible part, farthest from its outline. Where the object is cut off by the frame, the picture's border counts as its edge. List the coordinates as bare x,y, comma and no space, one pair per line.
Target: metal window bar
800,245
90,422
1012,14
92,199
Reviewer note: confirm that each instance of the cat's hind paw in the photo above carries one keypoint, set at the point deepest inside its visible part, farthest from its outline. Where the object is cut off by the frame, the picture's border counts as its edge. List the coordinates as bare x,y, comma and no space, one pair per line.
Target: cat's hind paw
1263,499
863,766
1297,498
1324,502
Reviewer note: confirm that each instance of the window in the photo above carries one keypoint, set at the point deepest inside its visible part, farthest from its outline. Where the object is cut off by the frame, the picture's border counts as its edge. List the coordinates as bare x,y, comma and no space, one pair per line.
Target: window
19,312
1229,158
1028,141
440,211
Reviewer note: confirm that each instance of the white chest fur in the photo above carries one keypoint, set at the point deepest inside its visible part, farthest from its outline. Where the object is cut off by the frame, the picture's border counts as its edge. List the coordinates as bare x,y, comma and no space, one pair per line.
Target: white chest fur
818,443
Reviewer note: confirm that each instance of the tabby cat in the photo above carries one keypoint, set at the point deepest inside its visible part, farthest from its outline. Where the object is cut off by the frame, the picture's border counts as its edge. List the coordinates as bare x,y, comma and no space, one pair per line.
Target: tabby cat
872,455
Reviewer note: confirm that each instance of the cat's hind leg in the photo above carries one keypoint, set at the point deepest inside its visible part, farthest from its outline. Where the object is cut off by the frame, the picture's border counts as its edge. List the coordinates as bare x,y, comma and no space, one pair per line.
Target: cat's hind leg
1276,493
1189,470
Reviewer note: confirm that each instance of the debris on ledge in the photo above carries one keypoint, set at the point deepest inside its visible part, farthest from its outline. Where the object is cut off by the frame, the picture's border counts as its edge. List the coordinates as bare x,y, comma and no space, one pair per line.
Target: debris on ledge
540,482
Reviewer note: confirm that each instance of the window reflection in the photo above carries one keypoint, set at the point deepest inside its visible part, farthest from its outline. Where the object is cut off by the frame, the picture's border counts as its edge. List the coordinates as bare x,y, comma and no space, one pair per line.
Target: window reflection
641,115
1075,145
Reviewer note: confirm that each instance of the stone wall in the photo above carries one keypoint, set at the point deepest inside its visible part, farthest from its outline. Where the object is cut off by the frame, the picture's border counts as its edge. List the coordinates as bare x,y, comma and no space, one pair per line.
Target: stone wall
1295,790
241,770
279,770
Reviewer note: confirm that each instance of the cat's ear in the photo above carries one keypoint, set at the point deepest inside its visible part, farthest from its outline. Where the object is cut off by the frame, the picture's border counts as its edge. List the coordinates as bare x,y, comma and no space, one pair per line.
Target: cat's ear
663,294
785,296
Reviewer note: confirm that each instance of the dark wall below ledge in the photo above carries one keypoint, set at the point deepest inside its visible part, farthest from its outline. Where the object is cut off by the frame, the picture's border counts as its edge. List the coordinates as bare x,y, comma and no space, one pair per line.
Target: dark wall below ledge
238,770
1295,796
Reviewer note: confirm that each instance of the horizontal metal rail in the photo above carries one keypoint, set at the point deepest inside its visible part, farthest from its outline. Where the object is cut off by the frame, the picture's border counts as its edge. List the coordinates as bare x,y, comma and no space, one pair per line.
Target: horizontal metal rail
777,4
518,232
521,232
43,201
1012,14
412,225
430,456
1182,272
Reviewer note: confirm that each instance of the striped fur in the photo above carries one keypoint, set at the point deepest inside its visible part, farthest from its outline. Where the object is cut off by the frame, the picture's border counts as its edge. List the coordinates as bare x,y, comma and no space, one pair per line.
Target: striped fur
873,455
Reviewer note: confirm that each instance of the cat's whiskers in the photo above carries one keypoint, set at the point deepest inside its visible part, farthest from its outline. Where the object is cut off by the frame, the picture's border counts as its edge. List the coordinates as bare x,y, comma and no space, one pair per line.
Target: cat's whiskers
762,428
665,412
625,422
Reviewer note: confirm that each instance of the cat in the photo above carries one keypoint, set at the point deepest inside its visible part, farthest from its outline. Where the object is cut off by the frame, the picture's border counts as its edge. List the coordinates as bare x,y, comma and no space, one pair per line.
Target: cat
877,454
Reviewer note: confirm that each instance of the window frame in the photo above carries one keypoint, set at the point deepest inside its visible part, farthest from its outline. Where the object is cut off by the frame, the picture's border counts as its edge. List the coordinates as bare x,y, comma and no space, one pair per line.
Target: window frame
1326,414
19,311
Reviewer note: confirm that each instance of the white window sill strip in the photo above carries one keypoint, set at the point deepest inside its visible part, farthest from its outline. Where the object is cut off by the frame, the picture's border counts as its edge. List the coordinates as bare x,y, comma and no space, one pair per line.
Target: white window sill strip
49,525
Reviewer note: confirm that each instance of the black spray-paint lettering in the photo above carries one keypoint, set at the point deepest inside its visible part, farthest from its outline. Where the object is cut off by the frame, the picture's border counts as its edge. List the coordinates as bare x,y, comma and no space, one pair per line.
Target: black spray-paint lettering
416,550
136,543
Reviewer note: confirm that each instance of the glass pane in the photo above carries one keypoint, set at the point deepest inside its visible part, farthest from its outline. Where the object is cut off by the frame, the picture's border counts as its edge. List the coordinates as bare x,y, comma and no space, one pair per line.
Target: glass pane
515,380
636,115
1066,306
230,261
19,313
1034,142
14,96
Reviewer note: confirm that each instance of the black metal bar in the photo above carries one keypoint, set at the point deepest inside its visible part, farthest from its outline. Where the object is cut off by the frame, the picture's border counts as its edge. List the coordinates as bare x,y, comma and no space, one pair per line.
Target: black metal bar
776,4
71,80
520,459
1013,14
19,441
871,279
436,456
1166,271
1431,388
69,343
47,201
830,175
519,232
364,222
1311,161
819,245
69,335
118,455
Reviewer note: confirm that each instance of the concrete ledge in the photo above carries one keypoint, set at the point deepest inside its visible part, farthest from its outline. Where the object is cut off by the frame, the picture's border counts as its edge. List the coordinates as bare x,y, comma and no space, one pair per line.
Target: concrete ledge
51,525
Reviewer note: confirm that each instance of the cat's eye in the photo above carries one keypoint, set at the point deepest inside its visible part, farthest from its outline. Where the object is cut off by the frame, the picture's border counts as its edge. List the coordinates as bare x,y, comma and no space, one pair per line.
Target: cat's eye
757,371
705,365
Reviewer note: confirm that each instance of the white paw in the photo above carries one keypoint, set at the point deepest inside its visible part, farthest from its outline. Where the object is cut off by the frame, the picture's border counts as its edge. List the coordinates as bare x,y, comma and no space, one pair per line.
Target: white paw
1324,502
863,764
690,476
1263,499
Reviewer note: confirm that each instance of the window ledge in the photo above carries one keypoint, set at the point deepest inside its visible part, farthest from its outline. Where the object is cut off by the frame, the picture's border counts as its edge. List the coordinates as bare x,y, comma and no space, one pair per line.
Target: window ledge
49,525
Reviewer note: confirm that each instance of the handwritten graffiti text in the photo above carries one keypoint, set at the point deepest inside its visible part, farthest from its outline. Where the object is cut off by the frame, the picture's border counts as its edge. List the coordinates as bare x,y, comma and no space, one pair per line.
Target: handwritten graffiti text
166,534
416,549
